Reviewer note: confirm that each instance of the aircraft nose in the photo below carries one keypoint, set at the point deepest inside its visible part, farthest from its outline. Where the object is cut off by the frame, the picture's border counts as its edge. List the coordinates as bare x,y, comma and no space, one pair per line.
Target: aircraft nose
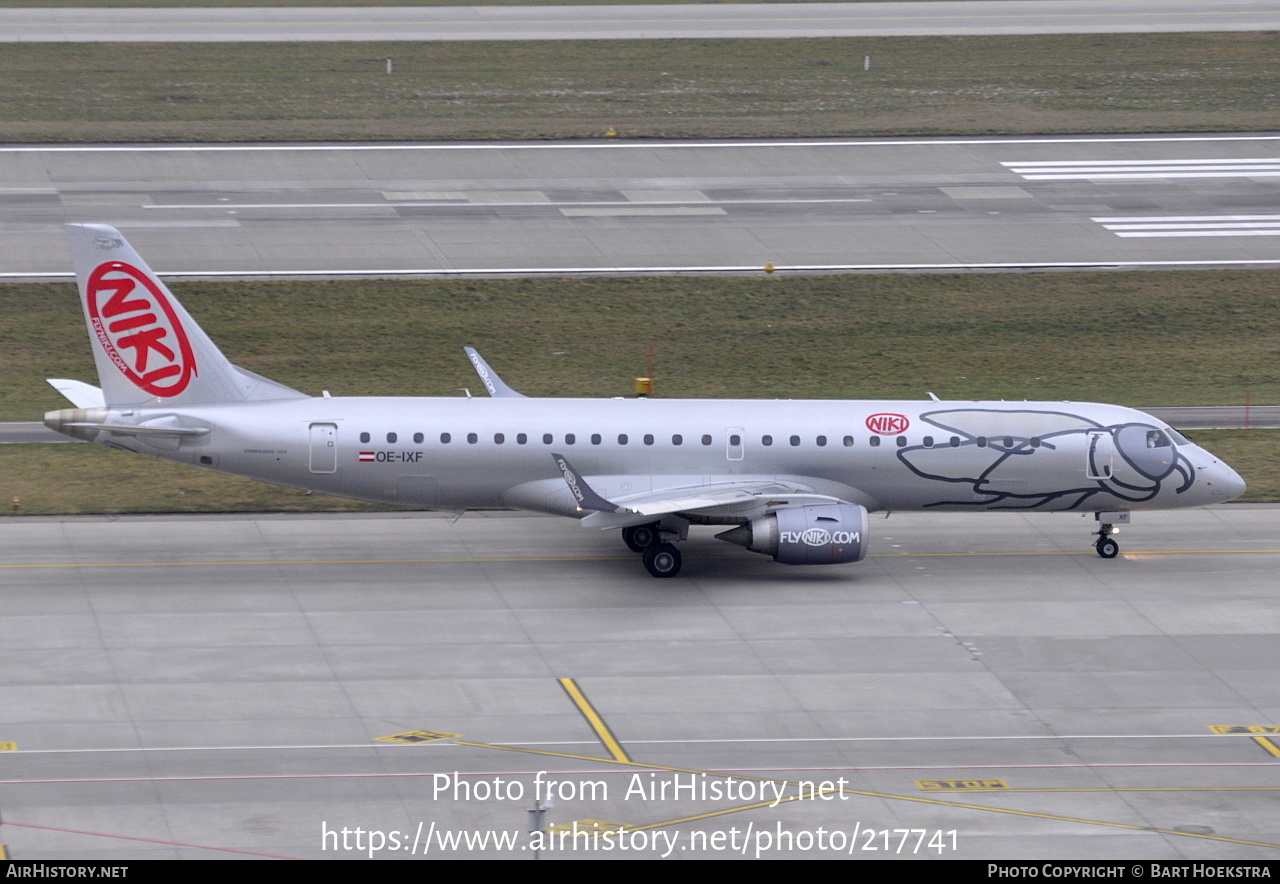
1227,482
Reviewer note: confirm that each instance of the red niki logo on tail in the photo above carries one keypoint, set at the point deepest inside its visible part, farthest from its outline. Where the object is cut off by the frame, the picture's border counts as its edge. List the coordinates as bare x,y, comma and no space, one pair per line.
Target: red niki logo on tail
138,328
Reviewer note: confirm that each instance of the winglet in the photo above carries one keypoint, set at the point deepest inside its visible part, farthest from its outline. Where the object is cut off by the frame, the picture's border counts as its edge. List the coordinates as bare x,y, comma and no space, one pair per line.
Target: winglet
582,492
489,377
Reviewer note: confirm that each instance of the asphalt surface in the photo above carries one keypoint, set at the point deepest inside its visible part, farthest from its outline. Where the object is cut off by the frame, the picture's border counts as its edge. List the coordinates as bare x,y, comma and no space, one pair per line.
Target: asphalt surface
764,20
203,687
667,207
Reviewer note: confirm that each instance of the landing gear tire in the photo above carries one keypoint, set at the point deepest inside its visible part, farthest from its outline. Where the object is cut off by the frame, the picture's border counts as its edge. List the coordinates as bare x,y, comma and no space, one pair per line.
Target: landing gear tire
638,538
1107,548
662,560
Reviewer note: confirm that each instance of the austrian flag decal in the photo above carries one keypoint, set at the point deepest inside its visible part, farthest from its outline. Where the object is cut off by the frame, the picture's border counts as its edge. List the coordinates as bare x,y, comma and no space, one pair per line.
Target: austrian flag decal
367,457
139,330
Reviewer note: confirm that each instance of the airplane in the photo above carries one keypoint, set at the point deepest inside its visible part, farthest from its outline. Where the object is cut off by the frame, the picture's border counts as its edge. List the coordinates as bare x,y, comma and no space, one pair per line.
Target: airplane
793,480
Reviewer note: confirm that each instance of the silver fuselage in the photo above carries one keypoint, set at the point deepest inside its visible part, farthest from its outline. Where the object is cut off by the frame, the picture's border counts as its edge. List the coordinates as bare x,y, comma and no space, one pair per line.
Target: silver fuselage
884,455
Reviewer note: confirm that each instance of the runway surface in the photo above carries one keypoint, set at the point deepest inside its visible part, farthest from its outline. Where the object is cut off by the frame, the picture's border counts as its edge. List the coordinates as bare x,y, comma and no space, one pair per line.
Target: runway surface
197,687
609,207
630,22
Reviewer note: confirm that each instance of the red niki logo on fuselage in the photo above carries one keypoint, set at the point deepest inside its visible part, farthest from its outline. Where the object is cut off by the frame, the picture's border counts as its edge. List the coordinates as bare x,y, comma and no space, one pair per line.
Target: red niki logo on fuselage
138,328
888,424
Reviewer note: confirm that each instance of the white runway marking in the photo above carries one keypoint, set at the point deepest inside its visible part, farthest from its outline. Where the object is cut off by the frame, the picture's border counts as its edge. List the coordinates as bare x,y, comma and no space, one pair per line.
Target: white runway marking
1130,170
1193,225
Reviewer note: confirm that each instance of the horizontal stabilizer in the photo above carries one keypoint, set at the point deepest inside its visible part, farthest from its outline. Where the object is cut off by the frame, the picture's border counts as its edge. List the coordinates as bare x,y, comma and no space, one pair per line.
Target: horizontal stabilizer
80,394
141,429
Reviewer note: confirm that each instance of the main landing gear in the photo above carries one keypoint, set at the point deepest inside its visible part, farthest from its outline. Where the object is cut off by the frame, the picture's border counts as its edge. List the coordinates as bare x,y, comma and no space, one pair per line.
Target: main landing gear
637,537
661,559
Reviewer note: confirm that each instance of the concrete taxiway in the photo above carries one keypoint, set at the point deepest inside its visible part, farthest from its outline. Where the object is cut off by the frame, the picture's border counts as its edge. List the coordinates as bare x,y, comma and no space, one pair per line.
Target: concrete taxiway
756,20
207,686
627,207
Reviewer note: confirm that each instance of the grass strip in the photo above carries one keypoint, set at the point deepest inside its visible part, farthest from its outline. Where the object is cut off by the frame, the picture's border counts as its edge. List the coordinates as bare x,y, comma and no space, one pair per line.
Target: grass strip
1152,338
142,92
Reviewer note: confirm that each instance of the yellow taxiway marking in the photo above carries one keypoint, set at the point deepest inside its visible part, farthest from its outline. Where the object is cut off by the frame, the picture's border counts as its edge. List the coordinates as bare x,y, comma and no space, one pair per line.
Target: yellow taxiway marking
593,718
888,796
499,560
594,828
1261,734
1267,744
415,737
4,854
962,785
8,747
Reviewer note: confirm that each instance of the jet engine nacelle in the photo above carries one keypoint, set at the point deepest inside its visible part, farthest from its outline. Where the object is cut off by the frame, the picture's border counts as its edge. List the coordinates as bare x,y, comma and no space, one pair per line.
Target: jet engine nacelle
826,534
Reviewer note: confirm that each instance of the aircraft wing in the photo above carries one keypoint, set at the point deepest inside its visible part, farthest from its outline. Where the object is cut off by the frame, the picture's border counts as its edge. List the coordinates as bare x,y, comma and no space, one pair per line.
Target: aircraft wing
744,498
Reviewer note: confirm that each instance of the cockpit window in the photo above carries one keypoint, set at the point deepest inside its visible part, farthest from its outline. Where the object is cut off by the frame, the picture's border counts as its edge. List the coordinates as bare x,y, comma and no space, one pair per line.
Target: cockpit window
1178,438
1157,439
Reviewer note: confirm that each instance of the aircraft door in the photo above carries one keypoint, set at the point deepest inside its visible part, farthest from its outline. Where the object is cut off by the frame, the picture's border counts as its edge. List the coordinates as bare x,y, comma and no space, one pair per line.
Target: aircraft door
324,448
734,447
1100,455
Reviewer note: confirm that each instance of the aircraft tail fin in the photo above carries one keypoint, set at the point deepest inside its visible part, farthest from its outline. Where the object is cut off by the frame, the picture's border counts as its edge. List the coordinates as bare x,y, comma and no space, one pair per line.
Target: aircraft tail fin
147,348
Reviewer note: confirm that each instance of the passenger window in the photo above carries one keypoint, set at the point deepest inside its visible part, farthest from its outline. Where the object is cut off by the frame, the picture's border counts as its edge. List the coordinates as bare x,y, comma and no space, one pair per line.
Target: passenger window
391,438
955,441
928,441
595,438
848,441
706,440
417,438
795,440
569,438
677,439
521,438
1035,441
982,441
364,437
498,438
875,441
622,438
472,438
444,438
1008,442
766,440
735,440
822,441
902,441
648,439
546,438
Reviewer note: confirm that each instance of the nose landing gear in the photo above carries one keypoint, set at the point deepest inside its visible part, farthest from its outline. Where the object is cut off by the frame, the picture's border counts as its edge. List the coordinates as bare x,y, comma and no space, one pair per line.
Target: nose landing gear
1105,546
